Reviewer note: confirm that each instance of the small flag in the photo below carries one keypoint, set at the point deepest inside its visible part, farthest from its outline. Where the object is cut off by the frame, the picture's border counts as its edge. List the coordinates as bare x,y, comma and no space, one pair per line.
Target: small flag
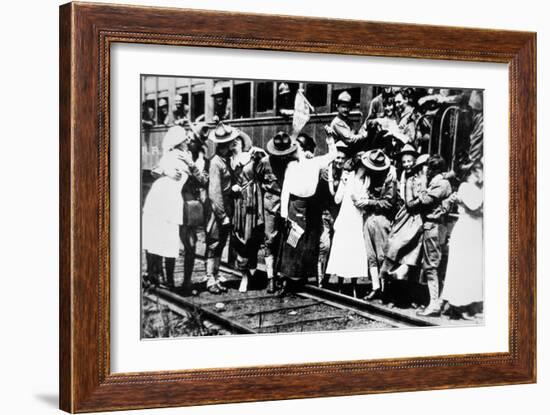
302,109
296,232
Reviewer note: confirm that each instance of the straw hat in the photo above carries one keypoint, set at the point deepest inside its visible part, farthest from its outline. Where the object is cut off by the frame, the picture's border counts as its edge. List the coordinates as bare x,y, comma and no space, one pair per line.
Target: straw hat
375,160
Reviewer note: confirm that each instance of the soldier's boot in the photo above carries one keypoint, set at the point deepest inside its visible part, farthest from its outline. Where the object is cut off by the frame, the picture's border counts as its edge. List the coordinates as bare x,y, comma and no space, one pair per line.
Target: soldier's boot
169,265
434,308
219,280
270,274
376,292
188,265
211,278
320,272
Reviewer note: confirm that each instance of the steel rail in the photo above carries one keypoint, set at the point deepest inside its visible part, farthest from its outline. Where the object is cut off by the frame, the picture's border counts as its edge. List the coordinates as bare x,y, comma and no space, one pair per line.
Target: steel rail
209,314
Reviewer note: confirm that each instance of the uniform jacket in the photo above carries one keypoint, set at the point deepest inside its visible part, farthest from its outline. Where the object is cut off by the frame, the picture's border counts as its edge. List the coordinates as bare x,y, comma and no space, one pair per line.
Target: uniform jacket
343,131
430,201
219,187
380,198
270,175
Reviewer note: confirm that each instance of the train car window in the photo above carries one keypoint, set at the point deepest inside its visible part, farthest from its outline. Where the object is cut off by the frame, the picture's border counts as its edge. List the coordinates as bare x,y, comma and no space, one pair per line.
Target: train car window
317,94
148,118
181,105
197,104
354,91
285,97
241,100
264,96
163,106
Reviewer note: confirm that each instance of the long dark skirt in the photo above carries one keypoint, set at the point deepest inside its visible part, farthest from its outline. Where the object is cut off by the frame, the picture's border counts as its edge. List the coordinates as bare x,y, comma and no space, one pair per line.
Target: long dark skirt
405,239
300,262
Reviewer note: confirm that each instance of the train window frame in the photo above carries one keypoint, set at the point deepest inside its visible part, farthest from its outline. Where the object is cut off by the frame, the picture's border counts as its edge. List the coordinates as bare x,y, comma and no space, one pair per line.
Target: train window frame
324,108
250,104
269,111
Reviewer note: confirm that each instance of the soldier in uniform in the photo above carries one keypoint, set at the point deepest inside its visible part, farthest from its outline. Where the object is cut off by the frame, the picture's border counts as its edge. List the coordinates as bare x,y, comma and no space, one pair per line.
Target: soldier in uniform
432,205
379,203
270,173
221,109
342,128
194,201
221,189
285,102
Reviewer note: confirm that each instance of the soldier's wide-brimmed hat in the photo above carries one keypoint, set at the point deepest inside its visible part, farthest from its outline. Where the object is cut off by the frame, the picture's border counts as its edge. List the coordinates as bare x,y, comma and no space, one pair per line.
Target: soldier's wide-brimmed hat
284,88
281,145
341,146
375,160
344,97
421,160
223,134
173,137
218,90
162,102
408,149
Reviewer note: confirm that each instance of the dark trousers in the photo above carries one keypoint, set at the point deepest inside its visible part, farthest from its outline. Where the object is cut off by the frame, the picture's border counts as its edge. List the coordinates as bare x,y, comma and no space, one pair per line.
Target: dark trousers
273,224
216,237
247,251
155,271
188,237
433,239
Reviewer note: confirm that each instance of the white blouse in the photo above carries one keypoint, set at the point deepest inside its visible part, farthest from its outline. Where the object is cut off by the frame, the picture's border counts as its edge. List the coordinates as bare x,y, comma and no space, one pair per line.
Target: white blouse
302,177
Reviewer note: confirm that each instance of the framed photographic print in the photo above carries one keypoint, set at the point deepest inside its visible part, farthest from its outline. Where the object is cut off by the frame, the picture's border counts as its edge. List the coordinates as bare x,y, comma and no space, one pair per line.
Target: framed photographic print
253,208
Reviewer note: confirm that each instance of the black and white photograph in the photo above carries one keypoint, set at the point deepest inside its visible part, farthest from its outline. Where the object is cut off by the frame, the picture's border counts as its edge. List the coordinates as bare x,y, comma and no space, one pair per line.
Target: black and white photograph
287,206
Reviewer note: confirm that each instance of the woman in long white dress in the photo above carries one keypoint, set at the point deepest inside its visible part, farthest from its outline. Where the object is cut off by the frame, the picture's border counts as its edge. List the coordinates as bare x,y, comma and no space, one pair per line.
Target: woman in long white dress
163,207
348,254
463,287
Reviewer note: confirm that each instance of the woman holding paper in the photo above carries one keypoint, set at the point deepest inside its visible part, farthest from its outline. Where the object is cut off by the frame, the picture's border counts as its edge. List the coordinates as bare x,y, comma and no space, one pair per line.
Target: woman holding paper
301,206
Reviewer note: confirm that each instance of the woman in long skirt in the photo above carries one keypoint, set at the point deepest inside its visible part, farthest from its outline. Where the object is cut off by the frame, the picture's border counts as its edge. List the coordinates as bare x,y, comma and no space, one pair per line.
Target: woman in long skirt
163,207
463,287
405,239
248,222
348,254
301,206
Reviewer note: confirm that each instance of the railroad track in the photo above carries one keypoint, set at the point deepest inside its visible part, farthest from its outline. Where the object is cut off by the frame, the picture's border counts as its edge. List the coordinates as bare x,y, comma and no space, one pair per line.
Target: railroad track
256,312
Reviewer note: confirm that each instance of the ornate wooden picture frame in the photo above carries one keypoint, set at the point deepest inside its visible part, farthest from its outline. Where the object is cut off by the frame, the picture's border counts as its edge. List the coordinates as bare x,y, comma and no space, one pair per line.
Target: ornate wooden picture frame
87,32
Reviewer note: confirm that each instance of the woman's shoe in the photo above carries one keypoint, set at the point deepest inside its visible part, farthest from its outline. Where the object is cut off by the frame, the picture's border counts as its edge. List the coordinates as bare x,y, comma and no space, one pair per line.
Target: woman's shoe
221,287
374,295
466,316
214,289
430,311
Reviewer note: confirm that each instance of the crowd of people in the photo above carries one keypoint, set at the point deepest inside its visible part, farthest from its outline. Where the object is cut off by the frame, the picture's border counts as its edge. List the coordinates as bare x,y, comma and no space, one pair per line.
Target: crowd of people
375,206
